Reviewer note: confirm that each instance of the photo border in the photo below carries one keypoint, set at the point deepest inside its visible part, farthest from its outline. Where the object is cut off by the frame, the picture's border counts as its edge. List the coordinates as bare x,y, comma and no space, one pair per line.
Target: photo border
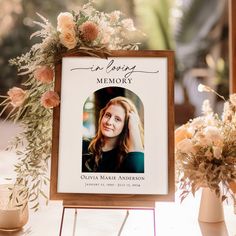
100,199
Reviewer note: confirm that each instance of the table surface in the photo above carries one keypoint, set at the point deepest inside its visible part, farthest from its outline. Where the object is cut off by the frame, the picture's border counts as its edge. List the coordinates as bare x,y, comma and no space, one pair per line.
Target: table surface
172,218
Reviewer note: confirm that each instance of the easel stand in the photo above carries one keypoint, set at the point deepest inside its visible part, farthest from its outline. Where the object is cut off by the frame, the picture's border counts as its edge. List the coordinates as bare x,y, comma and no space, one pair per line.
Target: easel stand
72,205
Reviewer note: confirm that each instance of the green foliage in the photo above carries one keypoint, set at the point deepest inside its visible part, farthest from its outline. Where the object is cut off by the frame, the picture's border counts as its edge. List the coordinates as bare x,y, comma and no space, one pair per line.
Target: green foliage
32,165
33,145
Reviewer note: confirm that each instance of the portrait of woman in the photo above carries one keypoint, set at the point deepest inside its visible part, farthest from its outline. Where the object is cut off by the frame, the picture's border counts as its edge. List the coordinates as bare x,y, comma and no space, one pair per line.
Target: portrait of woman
118,145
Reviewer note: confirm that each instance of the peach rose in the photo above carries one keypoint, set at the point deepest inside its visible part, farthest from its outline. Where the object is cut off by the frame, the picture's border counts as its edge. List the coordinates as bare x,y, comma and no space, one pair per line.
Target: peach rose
182,133
17,96
186,146
68,39
65,21
50,99
44,74
89,31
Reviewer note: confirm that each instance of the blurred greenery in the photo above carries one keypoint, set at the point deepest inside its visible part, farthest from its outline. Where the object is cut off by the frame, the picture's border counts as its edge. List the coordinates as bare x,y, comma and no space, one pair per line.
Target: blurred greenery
154,19
189,34
21,13
16,26
194,35
16,39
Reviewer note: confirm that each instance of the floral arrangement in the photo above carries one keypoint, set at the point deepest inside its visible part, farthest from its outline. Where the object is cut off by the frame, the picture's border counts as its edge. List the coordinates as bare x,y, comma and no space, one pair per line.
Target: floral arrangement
87,31
206,150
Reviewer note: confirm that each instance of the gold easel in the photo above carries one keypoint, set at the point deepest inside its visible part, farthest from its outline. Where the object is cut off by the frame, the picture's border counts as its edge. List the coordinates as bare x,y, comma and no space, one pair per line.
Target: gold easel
121,200
109,206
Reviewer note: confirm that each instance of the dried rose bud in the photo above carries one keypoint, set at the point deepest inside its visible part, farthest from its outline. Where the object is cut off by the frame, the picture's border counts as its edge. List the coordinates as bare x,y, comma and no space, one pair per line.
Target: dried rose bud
44,74
50,99
17,96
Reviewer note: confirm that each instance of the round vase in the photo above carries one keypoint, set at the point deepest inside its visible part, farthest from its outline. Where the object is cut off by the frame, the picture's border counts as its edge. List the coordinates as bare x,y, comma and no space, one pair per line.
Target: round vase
211,208
12,217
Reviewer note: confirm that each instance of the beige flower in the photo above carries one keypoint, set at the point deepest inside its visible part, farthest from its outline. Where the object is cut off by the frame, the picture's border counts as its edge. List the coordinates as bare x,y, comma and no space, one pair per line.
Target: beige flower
68,39
217,151
65,21
213,136
17,96
232,99
114,16
44,74
50,99
206,107
233,118
210,120
204,88
107,33
227,112
128,24
208,155
201,139
197,122
106,39
186,146
89,31
182,133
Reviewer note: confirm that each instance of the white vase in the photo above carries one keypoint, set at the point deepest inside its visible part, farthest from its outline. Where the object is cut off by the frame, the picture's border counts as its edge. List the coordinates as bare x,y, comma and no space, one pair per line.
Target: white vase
211,208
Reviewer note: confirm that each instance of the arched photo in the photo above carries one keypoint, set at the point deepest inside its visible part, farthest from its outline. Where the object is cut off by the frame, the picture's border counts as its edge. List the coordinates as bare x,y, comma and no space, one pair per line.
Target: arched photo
113,132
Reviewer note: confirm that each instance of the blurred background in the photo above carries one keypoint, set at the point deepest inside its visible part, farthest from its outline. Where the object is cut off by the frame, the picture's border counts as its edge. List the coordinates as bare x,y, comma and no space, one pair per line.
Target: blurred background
197,30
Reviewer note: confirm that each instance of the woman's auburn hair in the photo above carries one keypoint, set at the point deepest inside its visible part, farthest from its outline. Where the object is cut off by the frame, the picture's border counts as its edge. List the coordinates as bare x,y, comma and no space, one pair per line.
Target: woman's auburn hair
95,146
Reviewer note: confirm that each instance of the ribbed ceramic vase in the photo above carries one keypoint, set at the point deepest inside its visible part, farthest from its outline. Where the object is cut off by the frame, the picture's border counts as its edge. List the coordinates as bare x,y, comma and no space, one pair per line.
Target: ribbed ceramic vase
211,208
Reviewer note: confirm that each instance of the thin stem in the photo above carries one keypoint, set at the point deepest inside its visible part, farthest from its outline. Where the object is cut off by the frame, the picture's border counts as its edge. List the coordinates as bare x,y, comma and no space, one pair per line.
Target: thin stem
5,101
218,94
204,88
10,113
7,105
